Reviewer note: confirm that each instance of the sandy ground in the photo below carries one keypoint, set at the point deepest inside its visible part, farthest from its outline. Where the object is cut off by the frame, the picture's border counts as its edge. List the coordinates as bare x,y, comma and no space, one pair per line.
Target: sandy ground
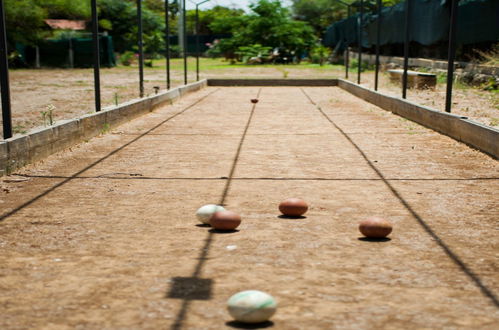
103,236
71,92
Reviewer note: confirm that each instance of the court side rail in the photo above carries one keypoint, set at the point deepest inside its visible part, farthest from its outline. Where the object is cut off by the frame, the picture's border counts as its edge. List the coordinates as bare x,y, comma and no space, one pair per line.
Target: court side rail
460,128
19,151
476,135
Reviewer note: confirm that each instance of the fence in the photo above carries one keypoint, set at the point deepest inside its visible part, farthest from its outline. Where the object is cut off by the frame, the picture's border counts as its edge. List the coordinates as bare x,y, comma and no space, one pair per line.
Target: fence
71,52
100,47
423,21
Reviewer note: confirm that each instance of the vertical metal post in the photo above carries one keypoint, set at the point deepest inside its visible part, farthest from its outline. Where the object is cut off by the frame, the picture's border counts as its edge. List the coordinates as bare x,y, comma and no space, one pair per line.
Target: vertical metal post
96,46
4,77
167,39
360,40
197,42
347,57
141,49
406,46
346,61
184,27
451,55
378,31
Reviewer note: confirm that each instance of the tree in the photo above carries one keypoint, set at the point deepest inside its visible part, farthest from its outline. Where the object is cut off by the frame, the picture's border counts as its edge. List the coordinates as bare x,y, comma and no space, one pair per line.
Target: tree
209,19
322,13
24,22
269,25
122,16
66,9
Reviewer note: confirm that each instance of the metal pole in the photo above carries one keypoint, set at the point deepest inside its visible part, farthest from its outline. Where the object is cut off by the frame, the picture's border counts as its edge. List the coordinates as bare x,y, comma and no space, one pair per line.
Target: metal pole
95,40
4,77
167,39
184,25
348,45
451,54
197,42
378,29
141,49
360,40
406,47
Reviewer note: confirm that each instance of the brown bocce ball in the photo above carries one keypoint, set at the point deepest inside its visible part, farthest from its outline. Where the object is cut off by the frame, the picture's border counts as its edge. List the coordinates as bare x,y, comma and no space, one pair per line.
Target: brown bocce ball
375,227
254,100
225,220
293,207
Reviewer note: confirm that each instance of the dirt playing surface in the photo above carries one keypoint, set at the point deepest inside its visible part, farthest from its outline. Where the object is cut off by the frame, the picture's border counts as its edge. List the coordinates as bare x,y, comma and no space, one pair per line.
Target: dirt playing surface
103,236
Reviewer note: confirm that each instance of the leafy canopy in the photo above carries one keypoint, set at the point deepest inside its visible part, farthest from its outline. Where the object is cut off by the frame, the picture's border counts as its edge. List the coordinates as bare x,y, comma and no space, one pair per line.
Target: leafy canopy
269,25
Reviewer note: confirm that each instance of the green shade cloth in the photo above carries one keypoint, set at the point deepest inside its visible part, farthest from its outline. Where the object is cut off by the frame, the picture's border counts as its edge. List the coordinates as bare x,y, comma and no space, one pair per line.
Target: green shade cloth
478,21
55,53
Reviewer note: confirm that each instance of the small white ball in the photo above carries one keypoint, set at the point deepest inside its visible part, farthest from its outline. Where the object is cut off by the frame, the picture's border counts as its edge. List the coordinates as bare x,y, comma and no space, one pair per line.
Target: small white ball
205,212
251,306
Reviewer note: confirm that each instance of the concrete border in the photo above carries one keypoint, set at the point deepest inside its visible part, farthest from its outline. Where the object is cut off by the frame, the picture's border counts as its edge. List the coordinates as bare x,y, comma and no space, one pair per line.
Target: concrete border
481,137
19,151
272,82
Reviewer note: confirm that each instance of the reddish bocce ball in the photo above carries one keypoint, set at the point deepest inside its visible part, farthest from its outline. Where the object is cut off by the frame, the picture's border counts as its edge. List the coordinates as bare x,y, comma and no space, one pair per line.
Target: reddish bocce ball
225,220
293,207
375,227
254,100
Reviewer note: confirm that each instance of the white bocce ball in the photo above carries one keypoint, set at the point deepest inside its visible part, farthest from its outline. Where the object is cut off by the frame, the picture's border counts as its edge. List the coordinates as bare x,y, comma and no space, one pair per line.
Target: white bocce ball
205,212
251,306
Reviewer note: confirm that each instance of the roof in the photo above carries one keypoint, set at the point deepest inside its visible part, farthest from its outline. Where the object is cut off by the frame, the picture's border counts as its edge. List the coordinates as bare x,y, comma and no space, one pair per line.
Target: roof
65,24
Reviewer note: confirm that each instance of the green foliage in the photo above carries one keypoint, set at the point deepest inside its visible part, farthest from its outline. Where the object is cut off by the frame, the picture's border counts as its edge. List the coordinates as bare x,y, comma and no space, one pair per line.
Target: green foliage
268,25
213,20
66,9
127,58
123,28
319,54
354,65
48,115
24,21
322,13
257,53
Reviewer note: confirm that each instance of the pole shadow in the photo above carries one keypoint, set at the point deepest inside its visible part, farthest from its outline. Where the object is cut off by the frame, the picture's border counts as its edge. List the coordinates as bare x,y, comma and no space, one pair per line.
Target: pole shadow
100,160
486,291
203,255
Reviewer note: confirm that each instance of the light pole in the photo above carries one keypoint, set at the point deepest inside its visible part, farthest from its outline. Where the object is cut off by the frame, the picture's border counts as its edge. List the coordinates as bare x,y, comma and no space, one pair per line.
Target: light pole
197,35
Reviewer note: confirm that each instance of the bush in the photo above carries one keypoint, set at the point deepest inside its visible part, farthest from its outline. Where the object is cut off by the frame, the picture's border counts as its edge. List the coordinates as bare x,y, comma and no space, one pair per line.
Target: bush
254,53
319,54
354,64
127,58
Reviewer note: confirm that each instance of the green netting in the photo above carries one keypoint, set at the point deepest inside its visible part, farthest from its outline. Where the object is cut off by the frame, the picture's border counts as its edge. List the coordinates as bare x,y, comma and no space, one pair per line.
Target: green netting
56,53
478,21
